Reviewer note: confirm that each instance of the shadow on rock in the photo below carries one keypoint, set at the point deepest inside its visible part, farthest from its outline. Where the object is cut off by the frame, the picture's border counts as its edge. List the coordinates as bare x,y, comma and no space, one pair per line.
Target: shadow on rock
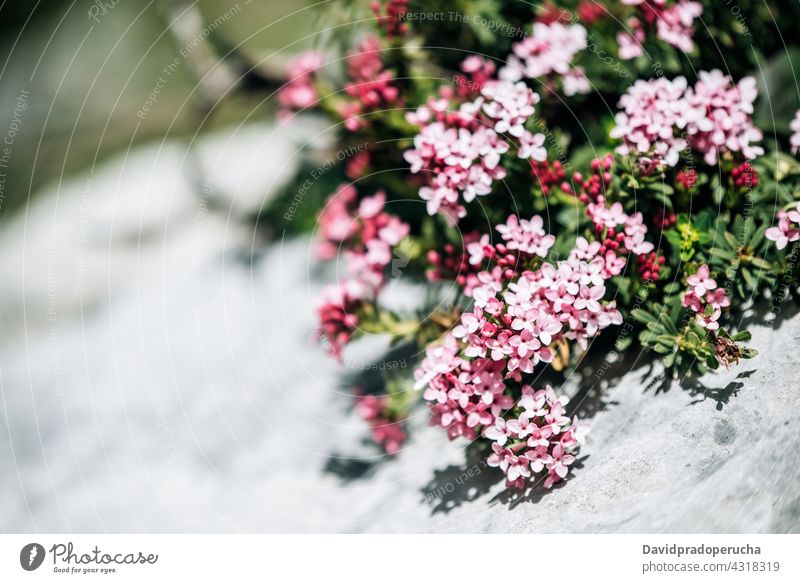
536,492
458,484
367,380
455,485
350,469
722,395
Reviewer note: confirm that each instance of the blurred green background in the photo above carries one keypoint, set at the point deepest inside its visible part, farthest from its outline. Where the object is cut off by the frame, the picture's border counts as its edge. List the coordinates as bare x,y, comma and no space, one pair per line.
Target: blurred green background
88,67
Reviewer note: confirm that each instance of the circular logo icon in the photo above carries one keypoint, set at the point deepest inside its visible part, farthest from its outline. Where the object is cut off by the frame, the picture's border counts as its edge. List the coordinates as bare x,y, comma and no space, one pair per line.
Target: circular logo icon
31,556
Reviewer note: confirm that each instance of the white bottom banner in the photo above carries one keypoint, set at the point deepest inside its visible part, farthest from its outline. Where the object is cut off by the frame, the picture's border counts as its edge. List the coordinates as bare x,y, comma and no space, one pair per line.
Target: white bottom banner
390,558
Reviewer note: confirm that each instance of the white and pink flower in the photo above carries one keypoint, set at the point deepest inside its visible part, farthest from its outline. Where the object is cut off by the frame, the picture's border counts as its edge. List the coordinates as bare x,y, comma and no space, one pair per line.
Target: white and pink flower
547,54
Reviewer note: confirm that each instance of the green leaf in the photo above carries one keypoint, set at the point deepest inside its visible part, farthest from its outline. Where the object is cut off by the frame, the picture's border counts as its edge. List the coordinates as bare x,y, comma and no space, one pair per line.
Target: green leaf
623,342
761,264
666,340
643,316
722,253
748,278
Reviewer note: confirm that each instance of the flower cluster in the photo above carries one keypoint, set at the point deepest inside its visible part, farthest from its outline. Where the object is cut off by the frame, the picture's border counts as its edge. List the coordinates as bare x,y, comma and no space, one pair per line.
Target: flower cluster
660,118
299,92
548,175
391,17
512,328
364,230
366,234
371,87
592,188
623,232
650,265
523,241
745,176
542,439
526,237
460,154
547,55
386,432
686,179
476,72
651,112
673,22
705,299
337,314
718,116
795,139
471,396
454,263
788,229
590,11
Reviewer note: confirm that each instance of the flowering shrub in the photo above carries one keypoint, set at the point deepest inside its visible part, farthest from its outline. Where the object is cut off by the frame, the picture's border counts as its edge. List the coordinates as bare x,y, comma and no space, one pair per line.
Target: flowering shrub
661,118
593,180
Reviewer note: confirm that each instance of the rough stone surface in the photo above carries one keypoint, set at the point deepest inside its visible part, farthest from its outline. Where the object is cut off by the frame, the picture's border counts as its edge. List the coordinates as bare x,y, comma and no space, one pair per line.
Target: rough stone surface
178,389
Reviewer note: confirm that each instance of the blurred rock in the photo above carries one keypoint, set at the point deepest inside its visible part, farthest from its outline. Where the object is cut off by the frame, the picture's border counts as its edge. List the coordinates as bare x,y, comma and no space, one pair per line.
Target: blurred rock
141,218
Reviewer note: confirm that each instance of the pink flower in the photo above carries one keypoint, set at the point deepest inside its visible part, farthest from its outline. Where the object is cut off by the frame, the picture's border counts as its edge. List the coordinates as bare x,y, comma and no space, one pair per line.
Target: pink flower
299,91
498,432
532,147
472,379
533,402
527,445
675,24
708,318
539,436
788,229
479,250
478,71
366,234
560,462
630,42
499,457
692,301
509,105
369,407
705,299
701,281
440,359
521,427
718,298
460,162
588,298
394,231
336,222
538,458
